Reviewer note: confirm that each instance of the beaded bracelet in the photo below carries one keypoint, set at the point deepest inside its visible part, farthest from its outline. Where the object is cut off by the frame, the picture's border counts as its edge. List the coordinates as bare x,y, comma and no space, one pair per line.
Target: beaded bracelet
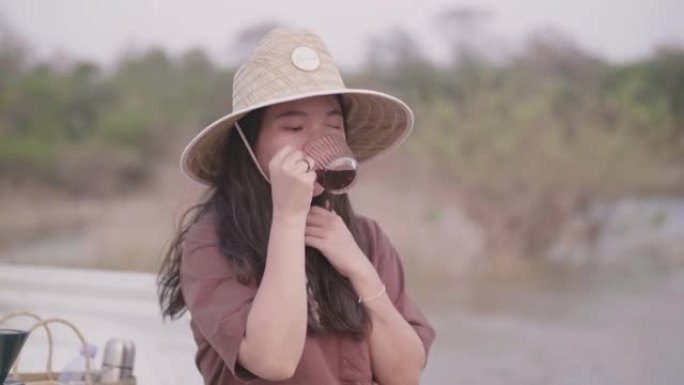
375,296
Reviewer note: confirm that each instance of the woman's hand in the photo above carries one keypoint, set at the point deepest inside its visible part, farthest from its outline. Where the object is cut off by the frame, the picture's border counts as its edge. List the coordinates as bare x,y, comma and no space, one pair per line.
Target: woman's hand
291,182
327,232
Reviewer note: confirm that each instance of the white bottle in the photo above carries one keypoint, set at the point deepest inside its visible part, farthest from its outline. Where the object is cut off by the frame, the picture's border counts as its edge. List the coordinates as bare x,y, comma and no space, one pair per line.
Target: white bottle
117,361
74,372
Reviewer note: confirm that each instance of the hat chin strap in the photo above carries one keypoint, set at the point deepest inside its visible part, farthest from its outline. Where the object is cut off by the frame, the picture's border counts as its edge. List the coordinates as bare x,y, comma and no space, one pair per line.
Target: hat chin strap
251,153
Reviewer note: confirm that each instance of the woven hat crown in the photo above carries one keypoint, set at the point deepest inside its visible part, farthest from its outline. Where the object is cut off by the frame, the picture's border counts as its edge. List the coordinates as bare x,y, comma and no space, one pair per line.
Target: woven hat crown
273,71
290,64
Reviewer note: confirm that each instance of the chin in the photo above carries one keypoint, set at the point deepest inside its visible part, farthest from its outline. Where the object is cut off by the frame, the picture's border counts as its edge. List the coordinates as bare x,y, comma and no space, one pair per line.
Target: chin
318,190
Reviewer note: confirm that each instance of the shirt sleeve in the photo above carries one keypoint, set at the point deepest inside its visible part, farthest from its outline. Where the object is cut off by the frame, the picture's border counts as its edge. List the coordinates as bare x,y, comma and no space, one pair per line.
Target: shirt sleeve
218,303
386,261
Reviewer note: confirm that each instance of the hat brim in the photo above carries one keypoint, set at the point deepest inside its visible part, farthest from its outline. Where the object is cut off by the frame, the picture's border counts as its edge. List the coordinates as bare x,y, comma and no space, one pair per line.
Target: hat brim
376,124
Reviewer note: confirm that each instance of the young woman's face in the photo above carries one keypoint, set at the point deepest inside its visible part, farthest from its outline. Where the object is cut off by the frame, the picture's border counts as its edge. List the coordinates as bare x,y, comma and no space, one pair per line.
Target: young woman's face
294,123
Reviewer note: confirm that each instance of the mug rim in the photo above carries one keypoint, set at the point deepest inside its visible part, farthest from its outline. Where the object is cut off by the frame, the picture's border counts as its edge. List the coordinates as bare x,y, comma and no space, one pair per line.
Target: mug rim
12,331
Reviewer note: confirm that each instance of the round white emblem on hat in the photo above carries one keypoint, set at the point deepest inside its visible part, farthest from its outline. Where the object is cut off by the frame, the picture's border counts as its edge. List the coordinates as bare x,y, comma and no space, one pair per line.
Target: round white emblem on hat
305,58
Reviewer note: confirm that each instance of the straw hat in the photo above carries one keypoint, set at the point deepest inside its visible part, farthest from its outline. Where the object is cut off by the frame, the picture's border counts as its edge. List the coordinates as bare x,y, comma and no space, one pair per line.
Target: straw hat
290,64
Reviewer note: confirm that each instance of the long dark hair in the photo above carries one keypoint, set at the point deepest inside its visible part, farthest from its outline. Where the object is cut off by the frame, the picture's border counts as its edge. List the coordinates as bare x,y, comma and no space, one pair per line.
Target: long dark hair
241,200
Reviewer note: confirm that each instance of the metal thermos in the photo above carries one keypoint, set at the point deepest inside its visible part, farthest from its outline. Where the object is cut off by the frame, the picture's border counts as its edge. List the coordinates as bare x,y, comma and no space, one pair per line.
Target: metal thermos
117,362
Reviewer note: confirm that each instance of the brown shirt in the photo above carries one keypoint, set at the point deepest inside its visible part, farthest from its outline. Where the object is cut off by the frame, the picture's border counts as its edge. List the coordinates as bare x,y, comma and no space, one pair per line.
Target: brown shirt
219,306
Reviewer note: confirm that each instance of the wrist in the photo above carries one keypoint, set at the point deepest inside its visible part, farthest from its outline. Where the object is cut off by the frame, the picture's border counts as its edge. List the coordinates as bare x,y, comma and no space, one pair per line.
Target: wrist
288,218
366,281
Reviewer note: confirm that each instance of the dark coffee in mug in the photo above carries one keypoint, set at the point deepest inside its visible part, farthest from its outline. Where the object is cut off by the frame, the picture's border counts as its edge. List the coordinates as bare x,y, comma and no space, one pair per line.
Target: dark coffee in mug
11,342
335,180
335,164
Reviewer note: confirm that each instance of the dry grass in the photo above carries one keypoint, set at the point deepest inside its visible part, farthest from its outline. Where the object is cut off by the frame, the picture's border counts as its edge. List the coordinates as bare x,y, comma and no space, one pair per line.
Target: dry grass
127,232
437,241
430,222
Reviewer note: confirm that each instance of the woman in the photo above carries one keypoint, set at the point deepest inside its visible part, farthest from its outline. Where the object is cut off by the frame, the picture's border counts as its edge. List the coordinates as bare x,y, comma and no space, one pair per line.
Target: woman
283,282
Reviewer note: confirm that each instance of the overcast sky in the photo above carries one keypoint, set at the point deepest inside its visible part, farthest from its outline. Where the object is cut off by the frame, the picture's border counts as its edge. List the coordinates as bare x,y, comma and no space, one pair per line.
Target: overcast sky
100,30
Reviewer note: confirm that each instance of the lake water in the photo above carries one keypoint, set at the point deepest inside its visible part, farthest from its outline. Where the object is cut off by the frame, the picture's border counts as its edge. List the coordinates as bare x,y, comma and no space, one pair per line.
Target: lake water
624,330
604,330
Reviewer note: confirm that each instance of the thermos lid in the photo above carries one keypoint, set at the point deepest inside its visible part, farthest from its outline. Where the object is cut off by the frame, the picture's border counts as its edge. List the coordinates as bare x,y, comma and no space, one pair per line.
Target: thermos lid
119,353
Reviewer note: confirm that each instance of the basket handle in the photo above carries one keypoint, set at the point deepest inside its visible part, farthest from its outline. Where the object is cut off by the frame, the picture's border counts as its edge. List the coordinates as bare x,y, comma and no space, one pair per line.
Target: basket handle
36,317
88,367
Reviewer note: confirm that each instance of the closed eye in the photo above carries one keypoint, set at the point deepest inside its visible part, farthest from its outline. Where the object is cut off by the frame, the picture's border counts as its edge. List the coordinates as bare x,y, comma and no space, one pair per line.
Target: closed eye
294,129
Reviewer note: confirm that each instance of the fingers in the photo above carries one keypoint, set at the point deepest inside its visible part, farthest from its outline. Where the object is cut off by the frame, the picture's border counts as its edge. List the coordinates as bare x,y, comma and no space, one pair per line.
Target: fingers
279,161
315,232
280,155
316,243
310,163
291,161
320,217
291,180
297,161
306,162
320,222
302,162
317,210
